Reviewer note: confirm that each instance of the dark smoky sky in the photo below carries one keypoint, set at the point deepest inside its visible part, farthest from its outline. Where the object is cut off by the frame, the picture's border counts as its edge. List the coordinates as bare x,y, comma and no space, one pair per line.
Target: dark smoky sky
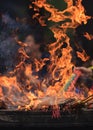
88,4
15,7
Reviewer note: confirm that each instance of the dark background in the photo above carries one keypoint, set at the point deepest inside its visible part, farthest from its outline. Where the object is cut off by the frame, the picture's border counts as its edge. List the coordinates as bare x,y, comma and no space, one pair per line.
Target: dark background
17,8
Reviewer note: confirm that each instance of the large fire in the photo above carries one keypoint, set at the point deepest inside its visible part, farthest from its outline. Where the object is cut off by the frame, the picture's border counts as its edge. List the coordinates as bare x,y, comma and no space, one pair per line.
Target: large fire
60,82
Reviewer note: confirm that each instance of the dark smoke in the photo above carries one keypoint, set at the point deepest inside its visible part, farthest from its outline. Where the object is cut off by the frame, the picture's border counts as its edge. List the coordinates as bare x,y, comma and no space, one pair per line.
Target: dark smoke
8,44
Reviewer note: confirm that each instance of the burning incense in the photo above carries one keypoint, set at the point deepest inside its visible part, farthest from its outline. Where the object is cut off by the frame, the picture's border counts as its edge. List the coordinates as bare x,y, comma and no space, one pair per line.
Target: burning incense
73,79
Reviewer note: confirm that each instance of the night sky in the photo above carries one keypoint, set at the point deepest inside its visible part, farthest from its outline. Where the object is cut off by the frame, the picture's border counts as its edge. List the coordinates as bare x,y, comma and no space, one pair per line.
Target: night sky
15,7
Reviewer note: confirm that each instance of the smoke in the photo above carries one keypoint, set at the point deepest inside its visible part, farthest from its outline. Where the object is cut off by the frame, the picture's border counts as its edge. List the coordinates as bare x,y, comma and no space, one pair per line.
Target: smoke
8,45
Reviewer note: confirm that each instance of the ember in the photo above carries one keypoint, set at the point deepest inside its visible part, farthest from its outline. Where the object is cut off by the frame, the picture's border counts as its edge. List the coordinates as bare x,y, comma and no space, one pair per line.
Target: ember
21,89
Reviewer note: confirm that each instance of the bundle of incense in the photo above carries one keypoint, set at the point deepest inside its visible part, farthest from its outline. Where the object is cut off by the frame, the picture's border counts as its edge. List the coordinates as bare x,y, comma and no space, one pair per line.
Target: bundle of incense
81,103
88,99
91,67
73,79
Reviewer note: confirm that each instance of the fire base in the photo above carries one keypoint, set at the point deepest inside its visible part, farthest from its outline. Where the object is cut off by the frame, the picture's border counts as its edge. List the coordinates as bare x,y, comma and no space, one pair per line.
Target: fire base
44,119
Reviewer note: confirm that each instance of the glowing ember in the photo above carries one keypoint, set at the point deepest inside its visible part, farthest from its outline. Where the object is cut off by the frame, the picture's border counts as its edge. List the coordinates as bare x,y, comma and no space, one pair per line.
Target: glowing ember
51,90
83,55
88,36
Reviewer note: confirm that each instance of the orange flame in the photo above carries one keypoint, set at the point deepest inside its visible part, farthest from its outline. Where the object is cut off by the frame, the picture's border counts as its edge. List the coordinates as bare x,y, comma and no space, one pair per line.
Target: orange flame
60,68
88,36
83,56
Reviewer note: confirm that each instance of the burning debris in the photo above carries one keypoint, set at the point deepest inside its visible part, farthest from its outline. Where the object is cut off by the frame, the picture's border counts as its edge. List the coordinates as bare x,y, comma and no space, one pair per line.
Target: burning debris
23,88
88,36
